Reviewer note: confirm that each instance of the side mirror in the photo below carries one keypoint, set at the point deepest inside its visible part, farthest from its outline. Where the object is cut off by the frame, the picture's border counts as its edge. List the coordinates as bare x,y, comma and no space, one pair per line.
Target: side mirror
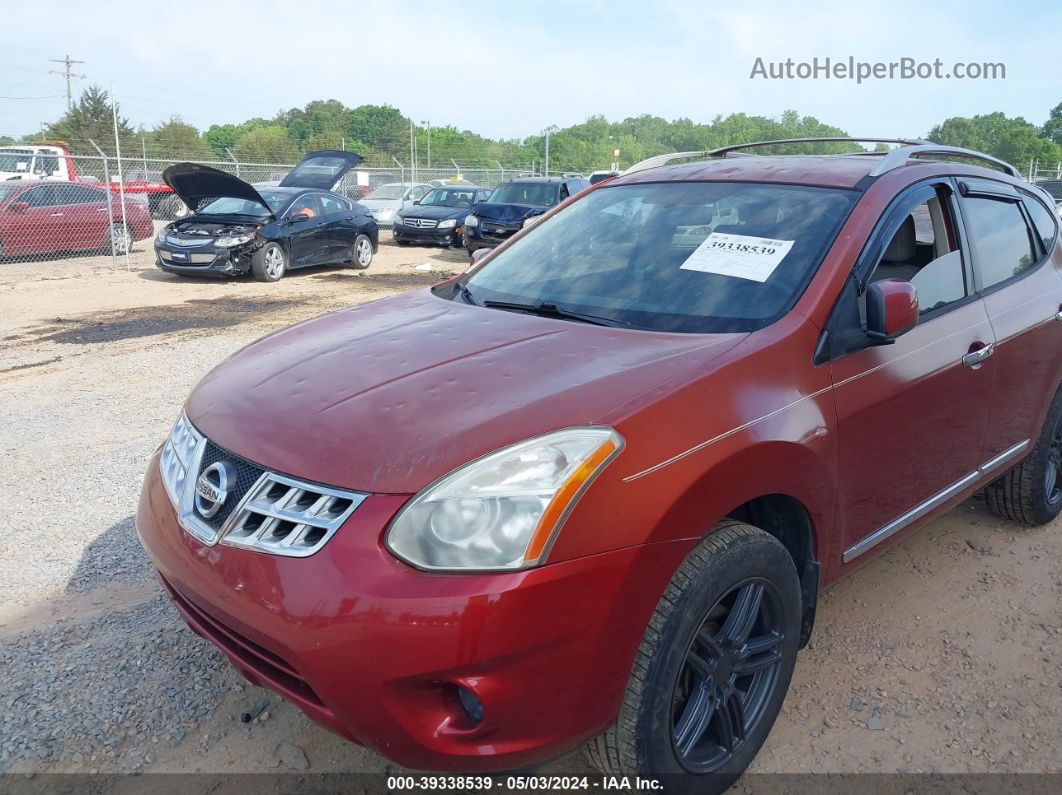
478,254
892,310
18,207
416,201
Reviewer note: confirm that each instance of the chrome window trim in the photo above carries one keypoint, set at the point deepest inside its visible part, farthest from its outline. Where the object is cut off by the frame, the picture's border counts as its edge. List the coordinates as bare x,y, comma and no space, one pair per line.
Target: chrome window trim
925,507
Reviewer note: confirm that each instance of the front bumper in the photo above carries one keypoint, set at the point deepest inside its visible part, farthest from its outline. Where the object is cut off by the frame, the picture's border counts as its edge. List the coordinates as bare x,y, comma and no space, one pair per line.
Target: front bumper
374,649
203,260
442,237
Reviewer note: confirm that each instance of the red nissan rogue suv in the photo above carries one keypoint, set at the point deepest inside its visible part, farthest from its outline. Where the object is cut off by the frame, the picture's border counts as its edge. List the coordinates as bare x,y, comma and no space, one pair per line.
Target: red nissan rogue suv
591,489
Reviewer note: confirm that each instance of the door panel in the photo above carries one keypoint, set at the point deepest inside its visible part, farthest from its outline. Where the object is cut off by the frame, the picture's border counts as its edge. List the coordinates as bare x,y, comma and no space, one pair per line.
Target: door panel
911,418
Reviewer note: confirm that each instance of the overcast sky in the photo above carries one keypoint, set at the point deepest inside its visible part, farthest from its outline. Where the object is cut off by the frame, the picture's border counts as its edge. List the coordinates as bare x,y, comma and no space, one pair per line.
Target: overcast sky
508,71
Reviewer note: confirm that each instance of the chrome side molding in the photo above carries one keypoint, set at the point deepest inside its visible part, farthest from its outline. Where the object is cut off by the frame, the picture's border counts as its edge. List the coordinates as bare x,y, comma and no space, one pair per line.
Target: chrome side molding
938,499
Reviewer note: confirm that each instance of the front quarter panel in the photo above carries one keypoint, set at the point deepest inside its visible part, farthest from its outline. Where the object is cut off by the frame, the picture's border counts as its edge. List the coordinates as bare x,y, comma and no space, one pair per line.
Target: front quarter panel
761,422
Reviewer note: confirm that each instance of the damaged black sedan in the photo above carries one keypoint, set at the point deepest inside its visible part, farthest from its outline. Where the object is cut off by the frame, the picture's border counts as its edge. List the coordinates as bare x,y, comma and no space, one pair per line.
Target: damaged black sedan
237,228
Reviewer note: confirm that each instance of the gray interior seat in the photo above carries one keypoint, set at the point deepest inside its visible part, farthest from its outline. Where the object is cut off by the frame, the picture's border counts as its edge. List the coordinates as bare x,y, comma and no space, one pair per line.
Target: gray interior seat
898,261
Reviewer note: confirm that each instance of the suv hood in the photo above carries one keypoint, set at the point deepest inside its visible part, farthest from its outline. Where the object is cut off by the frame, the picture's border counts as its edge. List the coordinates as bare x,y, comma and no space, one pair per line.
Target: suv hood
506,213
194,182
389,396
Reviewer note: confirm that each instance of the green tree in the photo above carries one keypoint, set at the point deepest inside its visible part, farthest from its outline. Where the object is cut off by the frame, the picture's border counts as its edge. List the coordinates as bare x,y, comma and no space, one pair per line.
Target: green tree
176,140
1052,129
92,119
1012,139
266,145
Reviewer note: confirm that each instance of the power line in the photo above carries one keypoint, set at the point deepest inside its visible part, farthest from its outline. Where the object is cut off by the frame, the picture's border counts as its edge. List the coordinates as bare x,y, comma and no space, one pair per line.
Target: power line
68,75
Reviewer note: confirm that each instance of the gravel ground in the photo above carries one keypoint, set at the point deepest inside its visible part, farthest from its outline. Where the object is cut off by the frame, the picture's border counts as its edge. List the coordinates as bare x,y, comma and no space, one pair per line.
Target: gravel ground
939,656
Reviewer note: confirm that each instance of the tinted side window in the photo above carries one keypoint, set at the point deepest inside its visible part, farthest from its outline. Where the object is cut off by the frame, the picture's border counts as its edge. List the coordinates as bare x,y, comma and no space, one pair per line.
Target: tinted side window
332,204
44,196
78,194
1042,218
1000,239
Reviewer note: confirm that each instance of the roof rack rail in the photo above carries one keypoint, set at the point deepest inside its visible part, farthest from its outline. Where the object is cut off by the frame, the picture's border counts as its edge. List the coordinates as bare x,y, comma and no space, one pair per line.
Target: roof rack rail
898,157
894,158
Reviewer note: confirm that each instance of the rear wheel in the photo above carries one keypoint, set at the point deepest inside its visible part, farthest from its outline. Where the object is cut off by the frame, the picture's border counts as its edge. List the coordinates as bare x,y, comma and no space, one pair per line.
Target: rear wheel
1031,492
361,252
269,263
119,239
713,667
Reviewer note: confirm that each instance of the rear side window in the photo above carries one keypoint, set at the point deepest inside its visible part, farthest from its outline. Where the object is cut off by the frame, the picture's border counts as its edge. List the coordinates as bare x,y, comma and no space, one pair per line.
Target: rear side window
1002,246
332,204
44,196
1043,220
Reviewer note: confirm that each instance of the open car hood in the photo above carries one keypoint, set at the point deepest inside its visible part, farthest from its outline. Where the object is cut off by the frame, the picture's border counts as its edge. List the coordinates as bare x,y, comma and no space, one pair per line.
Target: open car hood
321,169
194,183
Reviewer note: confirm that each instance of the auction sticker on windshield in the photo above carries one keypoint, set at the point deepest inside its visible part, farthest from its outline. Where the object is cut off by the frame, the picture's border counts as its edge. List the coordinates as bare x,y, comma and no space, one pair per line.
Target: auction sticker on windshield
742,256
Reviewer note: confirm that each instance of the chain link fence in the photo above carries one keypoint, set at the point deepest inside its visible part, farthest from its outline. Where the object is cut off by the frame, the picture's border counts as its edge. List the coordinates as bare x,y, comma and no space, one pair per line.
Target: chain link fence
57,204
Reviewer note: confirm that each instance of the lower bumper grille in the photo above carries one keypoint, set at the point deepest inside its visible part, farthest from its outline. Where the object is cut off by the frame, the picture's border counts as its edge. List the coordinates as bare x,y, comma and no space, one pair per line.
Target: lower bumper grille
271,668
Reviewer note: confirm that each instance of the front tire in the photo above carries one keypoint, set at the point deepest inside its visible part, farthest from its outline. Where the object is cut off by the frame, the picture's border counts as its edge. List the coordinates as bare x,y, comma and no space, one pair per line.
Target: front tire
713,667
269,263
1031,492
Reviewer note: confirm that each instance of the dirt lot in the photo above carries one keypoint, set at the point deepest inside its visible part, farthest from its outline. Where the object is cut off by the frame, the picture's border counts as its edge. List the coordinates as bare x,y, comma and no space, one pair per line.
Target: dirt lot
940,656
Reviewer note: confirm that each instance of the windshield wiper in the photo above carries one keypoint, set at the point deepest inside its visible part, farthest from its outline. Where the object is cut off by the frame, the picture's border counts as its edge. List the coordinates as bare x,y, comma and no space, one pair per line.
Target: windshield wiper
466,294
546,309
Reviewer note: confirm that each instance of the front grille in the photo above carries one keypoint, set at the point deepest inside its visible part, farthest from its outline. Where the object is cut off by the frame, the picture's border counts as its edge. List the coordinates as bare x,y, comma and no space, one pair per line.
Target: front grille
499,230
421,223
191,259
240,504
247,474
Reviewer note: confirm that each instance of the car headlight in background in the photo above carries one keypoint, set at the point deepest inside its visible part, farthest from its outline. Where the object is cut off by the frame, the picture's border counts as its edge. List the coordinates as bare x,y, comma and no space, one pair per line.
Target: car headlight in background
227,241
471,220
503,510
176,457
160,236
449,223
385,214
531,221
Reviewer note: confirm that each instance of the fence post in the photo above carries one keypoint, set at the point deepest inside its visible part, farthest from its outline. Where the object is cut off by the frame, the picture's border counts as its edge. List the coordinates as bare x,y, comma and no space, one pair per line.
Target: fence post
107,183
401,169
234,160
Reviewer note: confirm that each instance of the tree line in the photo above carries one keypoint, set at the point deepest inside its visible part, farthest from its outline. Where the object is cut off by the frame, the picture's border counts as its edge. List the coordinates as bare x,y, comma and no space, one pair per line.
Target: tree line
382,132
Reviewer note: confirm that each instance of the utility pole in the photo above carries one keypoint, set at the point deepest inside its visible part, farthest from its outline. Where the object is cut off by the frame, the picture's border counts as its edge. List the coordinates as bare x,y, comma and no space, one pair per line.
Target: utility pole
68,75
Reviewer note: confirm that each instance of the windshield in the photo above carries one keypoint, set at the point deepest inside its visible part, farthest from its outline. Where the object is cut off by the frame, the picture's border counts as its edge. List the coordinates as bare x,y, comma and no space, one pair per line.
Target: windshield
533,194
450,197
230,205
388,192
673,256
15,161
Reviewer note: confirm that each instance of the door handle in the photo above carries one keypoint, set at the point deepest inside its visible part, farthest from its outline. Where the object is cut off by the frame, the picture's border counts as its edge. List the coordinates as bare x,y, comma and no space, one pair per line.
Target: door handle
101,209
974,359
57,215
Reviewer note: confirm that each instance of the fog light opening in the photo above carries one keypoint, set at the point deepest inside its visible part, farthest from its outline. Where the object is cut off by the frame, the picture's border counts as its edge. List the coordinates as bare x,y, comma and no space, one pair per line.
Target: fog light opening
470,703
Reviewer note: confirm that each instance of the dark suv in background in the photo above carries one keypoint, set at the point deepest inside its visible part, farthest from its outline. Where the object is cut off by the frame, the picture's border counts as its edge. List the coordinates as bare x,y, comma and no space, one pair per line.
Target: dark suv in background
512,203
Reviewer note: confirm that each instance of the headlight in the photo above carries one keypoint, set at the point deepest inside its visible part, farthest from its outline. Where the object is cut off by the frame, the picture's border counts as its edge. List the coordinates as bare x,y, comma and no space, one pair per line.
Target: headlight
176,457
471,220
161,236
399,220
227,241
531,221
502,511
386,214
449,223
